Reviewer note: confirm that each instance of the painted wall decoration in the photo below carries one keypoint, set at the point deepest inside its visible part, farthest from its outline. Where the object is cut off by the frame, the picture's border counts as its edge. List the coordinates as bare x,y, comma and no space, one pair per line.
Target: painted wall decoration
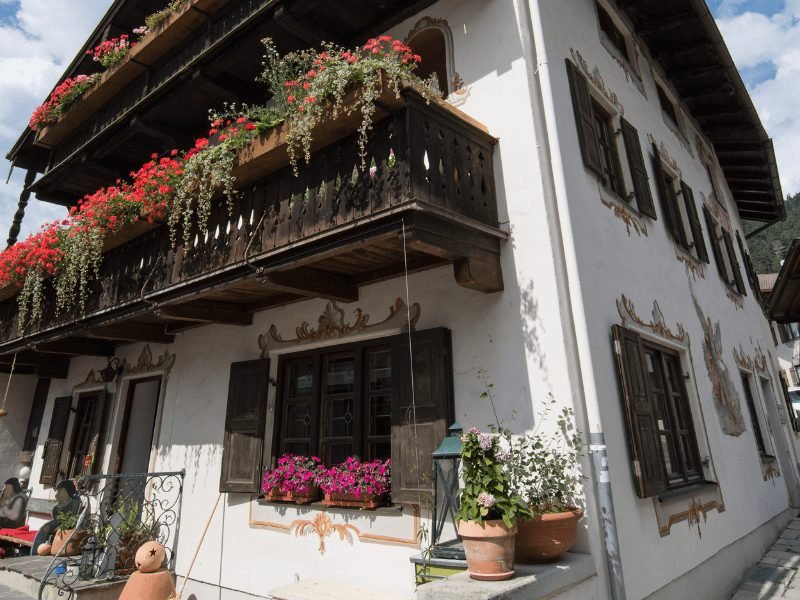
726,399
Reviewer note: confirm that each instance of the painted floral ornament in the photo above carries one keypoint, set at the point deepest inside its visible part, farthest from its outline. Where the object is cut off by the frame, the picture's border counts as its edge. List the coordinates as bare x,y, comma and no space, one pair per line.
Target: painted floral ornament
149,557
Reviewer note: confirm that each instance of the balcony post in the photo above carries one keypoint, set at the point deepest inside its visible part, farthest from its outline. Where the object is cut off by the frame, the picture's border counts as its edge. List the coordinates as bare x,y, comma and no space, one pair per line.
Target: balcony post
16,224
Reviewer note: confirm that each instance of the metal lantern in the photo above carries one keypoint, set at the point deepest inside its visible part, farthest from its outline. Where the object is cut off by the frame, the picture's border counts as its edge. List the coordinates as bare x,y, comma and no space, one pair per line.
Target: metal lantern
446,470
90,554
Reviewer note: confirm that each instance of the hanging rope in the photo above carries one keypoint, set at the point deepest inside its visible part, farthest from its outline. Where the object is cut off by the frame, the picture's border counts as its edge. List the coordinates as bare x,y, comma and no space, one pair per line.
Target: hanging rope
3,411
411,356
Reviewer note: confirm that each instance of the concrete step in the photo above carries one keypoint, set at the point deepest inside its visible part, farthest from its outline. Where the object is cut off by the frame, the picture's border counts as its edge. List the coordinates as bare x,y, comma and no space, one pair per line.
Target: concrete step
22,576
7,593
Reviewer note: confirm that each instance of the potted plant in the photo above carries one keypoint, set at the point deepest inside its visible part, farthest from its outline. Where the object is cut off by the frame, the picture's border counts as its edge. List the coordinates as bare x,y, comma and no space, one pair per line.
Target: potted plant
67,523
293,480
134,525
545,474
489,510
356,484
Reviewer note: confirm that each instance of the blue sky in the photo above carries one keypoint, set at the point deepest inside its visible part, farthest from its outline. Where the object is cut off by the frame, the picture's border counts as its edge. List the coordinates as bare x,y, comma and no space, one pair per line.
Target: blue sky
39,38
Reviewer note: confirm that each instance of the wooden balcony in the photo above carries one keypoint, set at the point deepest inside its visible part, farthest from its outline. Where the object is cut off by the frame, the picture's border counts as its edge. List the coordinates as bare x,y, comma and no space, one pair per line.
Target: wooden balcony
424,197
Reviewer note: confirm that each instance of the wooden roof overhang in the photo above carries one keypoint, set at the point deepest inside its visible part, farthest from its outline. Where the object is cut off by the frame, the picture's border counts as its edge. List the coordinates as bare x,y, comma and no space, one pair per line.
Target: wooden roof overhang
784,299
168,105
683,38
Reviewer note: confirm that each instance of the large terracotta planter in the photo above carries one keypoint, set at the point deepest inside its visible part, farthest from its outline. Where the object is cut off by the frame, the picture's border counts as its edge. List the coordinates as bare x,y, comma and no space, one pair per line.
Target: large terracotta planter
71,548
490,549
364,501
547,537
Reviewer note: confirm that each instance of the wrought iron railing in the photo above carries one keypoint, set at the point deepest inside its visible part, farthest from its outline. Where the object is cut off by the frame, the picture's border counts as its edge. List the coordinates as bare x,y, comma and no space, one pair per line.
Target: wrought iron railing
118,514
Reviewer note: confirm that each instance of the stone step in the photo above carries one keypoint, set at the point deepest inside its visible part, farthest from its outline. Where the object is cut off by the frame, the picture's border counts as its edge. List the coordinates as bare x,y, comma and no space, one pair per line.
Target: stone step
22,576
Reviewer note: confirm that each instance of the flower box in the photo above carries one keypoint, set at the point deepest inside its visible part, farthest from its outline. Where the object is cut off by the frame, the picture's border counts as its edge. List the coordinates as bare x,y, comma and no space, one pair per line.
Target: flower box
364,501
268,152
151,48
307,497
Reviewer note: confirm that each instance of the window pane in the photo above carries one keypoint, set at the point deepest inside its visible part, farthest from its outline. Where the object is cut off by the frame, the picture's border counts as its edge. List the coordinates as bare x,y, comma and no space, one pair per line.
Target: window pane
380,415
381,451
380,370
336,453
339,417
298,420
301,378
340,376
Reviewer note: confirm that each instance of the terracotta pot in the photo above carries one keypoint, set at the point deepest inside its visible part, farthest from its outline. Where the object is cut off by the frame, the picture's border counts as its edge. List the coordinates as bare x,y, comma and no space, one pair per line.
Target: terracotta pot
73,548
490,549
547,537
153,586
276,495
364,501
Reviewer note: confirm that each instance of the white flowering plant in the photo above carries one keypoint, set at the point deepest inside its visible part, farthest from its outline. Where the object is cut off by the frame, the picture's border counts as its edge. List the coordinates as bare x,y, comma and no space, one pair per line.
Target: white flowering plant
487,493
544,467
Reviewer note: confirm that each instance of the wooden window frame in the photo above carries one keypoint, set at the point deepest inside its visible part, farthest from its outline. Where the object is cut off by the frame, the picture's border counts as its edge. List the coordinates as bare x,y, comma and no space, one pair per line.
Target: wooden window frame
126,417
673,398
669,108
613,33
34,428
319,356
755,410
651,413
605,133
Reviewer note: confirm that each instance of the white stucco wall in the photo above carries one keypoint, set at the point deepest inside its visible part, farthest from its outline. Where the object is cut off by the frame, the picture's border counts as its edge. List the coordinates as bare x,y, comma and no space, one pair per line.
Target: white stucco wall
611,261
14,424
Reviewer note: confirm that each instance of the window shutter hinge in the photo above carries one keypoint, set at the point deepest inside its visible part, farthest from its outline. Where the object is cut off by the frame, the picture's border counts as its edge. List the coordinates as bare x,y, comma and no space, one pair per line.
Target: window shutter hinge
637,469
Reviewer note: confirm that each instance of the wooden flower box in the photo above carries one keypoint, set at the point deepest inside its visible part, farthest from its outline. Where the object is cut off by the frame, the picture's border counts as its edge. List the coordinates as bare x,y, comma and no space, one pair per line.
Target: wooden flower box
152,47
268,152
364,501
275,495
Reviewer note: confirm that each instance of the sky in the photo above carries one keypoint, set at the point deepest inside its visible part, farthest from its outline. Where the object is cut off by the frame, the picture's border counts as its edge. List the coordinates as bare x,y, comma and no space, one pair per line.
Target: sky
39,38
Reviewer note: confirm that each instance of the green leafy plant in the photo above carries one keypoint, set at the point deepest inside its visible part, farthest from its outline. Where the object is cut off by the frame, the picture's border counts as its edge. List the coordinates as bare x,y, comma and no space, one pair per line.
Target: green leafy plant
67,521
487,493
544,468
153,21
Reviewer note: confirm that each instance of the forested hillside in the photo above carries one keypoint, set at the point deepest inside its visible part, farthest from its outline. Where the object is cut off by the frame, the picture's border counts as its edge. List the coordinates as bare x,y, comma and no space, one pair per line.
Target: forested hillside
769,247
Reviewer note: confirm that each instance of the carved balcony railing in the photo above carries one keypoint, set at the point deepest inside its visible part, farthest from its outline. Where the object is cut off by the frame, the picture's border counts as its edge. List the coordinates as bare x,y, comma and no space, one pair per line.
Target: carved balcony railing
427,175
118,514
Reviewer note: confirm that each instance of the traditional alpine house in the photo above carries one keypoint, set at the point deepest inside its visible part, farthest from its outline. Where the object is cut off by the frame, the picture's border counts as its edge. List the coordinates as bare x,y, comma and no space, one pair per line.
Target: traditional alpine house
565,221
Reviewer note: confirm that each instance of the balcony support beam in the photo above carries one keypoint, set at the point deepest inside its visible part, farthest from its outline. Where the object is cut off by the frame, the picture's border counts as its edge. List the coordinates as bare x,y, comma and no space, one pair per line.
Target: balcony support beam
311,283
77,346
206,312
133,332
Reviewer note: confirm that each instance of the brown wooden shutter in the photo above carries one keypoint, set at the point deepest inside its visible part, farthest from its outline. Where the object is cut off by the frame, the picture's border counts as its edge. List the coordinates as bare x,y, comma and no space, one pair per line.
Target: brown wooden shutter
694,222
419,427
715,248
584,119
672,217
93,461
640,413
245,422
748,268
35,420
51,459
737,269
792,415
641,183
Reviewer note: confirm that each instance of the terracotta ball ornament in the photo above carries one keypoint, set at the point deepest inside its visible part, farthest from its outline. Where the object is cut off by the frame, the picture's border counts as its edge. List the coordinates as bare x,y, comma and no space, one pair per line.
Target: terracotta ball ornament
43,550
149,557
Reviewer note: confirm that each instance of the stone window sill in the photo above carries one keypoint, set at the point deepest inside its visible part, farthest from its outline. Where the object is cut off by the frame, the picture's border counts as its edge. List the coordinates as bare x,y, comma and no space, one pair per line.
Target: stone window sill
391,509
530,582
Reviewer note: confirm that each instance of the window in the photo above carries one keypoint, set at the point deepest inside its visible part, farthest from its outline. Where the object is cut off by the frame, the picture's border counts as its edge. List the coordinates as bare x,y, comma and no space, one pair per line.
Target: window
53,446
431,44
727,263
82,454
598,139
659,421
337,404
346,400
753,412
667,105
681,218
788,332
35,421
612,32
609,159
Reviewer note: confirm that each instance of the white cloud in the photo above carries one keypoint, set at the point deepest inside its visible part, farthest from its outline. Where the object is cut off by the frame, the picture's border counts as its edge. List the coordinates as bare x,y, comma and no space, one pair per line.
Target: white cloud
755,39
34,51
